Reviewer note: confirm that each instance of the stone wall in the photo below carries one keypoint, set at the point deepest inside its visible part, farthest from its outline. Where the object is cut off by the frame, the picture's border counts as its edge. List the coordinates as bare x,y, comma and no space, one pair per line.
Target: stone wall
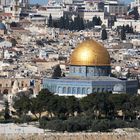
72,136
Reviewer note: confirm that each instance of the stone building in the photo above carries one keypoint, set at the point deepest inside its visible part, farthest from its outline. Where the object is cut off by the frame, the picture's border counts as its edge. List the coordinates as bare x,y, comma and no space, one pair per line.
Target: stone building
6,84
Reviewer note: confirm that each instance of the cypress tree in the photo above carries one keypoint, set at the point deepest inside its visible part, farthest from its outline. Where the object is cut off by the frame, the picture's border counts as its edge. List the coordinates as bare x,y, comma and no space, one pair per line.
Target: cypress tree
136,13
123,34
104,34
6,111
61,23
66,22
50,21
57,71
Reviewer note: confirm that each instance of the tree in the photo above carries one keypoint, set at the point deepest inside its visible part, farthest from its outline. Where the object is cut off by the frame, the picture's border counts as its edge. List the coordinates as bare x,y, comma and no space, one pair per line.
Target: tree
96,21
136,13
71,26
61,108
39,104
57,71
88,105
22,106
14,24
13,41
72,105
66,22
82,26
103,105
99,22
128,29
61,23
135,100
127,109
6,111
50,21
77,23
123,34
104,34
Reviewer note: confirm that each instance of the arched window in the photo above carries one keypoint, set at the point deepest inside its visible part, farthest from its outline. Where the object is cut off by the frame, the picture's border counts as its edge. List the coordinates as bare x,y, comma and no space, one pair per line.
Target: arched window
12,83
83,90
78,91
73,69
88,90
69,90
59,89
73,90
80,70
64,89
22,83
98,90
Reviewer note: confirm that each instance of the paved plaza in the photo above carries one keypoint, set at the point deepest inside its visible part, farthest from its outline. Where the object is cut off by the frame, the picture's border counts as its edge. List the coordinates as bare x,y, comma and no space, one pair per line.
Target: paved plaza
18,129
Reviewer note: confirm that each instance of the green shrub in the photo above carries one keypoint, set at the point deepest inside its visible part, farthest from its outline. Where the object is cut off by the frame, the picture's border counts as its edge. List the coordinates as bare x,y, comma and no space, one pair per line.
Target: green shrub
118,124
43,122
100,125
6,121
136,124
56,125
74,124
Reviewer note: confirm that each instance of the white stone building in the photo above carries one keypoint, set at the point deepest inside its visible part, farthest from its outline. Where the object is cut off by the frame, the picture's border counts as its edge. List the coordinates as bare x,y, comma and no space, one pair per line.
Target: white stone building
134,23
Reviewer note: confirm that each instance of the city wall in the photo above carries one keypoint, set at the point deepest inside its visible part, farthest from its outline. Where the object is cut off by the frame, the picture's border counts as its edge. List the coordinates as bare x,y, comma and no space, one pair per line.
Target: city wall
72,136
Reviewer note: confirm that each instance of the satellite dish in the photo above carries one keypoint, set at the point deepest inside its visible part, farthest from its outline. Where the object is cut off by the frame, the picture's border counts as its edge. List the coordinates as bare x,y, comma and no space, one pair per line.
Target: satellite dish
118,68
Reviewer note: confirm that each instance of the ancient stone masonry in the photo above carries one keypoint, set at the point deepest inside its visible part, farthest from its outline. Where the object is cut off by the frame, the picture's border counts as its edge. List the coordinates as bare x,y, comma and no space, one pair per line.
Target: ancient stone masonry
73,136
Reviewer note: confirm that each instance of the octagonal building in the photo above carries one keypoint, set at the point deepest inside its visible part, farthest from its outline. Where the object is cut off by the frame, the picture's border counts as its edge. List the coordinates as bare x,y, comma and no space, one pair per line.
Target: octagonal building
89,73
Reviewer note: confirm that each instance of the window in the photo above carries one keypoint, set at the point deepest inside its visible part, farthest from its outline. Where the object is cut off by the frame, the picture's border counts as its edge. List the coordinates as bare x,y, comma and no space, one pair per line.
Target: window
22,84
73,69
98,90
59,90
73,90
12,83
78,90
5,91
64,89
83,90
69,90
80,70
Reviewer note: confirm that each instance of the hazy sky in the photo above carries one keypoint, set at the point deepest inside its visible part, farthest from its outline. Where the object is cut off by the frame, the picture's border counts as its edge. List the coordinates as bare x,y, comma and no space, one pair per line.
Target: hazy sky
45,1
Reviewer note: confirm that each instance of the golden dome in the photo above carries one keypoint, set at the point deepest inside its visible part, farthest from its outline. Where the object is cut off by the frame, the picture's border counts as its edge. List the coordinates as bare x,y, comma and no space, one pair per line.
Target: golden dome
90,53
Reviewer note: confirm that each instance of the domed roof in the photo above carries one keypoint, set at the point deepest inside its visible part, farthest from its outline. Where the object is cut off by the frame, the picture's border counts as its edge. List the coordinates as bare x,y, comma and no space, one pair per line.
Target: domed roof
2,26
90,53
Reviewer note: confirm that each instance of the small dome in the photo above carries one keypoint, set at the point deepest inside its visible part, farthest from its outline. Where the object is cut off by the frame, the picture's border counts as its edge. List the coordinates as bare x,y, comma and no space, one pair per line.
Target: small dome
118,88
2,26
90,53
